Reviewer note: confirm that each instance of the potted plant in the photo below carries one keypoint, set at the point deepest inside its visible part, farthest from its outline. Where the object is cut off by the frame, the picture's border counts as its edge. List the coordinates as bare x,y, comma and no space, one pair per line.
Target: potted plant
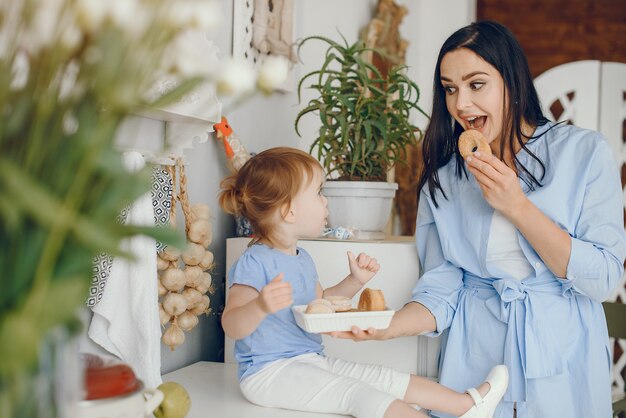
364,129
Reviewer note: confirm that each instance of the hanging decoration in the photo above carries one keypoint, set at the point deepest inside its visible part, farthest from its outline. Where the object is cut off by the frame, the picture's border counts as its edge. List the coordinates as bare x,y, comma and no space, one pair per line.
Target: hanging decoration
236,157
264,30
185,281
236,154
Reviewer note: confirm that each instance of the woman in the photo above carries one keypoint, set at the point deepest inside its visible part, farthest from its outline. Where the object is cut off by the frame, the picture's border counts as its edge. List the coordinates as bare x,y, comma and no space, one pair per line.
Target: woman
518,248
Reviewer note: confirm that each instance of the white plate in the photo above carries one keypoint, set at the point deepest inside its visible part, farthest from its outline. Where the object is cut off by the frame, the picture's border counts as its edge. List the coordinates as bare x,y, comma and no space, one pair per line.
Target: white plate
342,321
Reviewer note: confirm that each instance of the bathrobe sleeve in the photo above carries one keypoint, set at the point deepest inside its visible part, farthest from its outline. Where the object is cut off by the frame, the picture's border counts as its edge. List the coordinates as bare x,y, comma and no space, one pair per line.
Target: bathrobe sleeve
438,287
596,261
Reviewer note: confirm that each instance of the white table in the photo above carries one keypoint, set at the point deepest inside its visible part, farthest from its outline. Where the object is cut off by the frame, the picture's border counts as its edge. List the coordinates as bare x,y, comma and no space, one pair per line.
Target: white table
214,391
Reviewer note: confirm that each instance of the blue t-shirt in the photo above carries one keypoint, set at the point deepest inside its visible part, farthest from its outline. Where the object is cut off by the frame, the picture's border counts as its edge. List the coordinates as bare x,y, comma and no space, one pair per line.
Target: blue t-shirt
277,336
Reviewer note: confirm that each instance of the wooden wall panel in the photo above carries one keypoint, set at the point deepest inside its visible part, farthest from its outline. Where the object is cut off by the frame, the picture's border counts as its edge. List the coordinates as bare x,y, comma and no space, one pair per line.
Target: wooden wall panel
554,32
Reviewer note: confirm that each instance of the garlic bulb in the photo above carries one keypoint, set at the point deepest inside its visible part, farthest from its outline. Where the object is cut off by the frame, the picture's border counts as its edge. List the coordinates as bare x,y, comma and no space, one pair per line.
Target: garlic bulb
205,283
192,296
193,255
174,303
202,307
162,289
199,230
162,264
173,279
187,321
173,336
201,211
208,239
170,254
207,260
164,317
193,275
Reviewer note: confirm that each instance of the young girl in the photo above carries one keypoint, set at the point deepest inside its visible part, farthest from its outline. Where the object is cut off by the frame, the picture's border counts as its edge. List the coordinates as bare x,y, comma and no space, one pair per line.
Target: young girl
281,365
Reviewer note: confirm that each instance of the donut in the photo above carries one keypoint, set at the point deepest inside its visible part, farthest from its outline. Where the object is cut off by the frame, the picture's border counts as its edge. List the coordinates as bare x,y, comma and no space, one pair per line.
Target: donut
319,306
340,303
372,300
472,140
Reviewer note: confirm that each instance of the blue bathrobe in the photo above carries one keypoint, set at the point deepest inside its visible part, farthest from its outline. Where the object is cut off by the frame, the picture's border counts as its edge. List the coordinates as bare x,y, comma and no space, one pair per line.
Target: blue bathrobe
550,332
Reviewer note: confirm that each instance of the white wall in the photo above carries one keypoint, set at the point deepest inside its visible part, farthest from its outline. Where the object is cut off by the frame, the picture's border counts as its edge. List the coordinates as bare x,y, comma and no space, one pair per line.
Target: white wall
265,122
427,26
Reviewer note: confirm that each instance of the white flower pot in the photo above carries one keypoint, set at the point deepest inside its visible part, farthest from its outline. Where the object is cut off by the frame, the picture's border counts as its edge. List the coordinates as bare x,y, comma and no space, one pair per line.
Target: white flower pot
363,205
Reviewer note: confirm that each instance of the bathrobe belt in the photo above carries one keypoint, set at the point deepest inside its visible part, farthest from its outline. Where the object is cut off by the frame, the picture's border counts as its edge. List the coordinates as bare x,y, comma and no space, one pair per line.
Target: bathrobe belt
530,349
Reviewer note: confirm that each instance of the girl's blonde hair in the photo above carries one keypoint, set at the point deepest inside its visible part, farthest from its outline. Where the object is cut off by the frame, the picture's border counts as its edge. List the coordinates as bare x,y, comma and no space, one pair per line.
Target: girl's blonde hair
266,183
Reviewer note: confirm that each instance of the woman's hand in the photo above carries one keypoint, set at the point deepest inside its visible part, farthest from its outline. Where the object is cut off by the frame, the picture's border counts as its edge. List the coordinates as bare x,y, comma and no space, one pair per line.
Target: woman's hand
498,182
363,267
358,334
503,192
413,319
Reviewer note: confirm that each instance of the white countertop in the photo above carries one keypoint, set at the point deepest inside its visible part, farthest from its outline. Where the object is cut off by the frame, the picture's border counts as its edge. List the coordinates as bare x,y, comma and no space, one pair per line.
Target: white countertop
215,393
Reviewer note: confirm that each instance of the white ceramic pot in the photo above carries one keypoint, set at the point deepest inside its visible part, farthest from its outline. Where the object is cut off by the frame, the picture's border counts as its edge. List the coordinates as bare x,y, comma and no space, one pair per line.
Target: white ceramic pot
138,404
364,205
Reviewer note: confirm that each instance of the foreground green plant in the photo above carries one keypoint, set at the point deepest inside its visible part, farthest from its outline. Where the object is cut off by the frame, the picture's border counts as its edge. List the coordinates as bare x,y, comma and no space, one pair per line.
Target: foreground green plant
364,117
70,71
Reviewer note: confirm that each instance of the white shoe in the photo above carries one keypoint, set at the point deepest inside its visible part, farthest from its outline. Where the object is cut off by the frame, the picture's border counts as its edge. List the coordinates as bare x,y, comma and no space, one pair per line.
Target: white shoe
498,379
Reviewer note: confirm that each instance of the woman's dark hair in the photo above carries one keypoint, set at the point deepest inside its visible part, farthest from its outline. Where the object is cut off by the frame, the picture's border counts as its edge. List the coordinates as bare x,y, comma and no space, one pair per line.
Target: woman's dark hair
496,45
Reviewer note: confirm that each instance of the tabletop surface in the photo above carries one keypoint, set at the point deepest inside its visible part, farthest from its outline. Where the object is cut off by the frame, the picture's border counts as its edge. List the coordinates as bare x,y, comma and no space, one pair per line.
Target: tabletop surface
214,391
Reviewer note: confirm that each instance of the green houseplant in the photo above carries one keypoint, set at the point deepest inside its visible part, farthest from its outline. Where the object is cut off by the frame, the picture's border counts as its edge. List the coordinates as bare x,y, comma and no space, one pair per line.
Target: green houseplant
364,118
70,72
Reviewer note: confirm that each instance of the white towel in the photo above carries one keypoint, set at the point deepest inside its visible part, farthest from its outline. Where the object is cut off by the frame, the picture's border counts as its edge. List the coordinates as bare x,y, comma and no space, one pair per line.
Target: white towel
126,321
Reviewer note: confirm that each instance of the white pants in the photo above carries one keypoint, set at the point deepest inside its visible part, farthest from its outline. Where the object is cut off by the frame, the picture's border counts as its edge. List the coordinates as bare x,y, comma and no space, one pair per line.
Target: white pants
327,385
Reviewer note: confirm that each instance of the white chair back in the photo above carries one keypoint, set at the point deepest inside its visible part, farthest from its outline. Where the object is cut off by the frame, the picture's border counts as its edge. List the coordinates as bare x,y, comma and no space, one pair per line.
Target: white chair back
575,86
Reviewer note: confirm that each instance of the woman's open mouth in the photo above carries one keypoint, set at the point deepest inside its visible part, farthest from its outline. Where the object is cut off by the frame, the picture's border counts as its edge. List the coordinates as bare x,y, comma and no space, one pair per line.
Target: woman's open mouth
477,122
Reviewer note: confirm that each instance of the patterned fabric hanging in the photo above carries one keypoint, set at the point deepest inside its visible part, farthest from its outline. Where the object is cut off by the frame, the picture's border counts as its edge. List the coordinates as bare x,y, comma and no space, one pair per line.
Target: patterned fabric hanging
161,192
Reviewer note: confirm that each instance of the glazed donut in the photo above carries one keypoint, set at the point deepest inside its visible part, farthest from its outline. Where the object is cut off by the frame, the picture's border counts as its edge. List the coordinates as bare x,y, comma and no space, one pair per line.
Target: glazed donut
340,303
472,140
372,300
319,306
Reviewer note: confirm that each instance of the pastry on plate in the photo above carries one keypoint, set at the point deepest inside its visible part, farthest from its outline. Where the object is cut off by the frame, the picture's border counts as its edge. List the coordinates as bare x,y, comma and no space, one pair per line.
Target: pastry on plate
319,306
340,303
372,300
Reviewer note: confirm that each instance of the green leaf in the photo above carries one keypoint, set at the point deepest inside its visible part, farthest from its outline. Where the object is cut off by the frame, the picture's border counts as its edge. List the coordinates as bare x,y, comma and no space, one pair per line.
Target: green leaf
23,329
313,107
364,118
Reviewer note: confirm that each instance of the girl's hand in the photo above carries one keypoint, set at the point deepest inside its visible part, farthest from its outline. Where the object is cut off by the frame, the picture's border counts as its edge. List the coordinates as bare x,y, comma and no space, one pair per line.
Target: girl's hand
498,182
276,295
363,267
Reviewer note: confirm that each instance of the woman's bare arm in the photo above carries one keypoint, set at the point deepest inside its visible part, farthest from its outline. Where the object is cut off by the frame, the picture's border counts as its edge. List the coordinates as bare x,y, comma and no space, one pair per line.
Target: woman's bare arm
413,319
